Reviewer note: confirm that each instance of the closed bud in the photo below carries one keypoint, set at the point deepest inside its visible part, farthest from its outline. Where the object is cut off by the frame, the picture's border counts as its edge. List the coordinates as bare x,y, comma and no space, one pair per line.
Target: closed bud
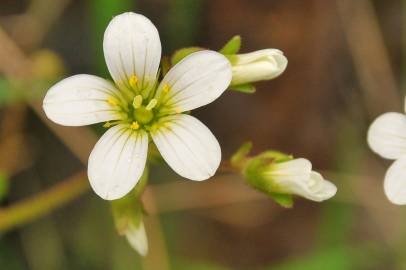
257,66
276,173
128,212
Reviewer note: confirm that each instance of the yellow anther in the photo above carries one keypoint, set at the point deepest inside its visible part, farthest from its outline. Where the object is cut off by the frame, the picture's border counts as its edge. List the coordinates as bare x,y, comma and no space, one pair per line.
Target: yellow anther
151,104
177,110
137,102
165,88
112,101
107,125
133,81
134,125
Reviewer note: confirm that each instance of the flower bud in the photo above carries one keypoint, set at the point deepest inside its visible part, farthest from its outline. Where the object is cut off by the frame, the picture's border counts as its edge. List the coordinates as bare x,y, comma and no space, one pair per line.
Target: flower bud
257,66
288,176
127,213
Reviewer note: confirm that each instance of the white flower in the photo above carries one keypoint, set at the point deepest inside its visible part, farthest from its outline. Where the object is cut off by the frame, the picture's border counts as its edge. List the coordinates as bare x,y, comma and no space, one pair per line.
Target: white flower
296,177
257,66
141,108
387,138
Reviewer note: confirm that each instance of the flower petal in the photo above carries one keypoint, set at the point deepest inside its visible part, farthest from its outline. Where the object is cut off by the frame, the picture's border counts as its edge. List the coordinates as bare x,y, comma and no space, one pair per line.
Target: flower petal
395,182
296,177
137,237
260,65
188,146
117,161
197,80
81,100
132,48
387,135
318,189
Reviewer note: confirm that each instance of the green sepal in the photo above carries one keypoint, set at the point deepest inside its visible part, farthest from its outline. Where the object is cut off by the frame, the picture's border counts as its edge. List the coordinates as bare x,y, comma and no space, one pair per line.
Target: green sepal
284,200
232,46
239,158
182,53
127,210
244,88
255,175
4,185
275,156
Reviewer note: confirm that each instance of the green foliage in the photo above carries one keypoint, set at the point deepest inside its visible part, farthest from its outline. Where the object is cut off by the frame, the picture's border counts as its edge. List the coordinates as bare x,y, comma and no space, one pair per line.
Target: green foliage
4,92
102,11
244,88
240,156
284,200
191,265
181,28
4,185
182,53
233,46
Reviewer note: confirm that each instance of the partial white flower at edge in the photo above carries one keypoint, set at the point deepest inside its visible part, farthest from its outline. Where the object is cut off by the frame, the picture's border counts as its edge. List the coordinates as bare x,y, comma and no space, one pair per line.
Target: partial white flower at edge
140,109
387,137
297,177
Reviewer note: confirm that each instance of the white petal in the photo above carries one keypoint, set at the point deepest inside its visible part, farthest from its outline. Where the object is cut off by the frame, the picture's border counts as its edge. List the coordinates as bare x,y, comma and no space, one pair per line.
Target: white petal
292,169
137,238
387,135
296,177
188,146
395,182
318,189
81,100
197,80
132,47
260,65
117,161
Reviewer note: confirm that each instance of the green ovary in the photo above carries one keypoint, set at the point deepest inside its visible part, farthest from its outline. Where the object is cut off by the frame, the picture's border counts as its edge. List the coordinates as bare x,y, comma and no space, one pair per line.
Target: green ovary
142,115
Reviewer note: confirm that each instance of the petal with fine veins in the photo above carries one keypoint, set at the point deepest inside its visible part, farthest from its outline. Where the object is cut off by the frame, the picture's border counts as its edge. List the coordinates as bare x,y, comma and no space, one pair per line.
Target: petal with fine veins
395,182
81,100
387,135
197,80
132,48
188,146
117,161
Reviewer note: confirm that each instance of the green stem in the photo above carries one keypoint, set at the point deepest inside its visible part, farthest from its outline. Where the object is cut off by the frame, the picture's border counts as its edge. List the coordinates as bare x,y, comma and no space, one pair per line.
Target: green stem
43,203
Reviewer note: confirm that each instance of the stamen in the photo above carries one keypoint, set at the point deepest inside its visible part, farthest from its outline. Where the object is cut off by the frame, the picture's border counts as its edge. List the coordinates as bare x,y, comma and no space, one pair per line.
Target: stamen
107,125
112,101
177,110
133,81
151,104
165,88
137,102
134,125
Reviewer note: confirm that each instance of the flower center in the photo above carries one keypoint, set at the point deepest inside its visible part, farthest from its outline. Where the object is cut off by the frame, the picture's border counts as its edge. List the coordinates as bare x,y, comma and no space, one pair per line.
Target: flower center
141,113
137,107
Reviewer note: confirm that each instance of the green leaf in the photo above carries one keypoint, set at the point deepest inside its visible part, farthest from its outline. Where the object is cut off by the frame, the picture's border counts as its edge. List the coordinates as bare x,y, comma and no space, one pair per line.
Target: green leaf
244,88
232,46
284,200
182,53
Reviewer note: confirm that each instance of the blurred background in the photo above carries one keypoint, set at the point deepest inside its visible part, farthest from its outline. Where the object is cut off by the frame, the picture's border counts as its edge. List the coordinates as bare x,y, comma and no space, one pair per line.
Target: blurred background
346,66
